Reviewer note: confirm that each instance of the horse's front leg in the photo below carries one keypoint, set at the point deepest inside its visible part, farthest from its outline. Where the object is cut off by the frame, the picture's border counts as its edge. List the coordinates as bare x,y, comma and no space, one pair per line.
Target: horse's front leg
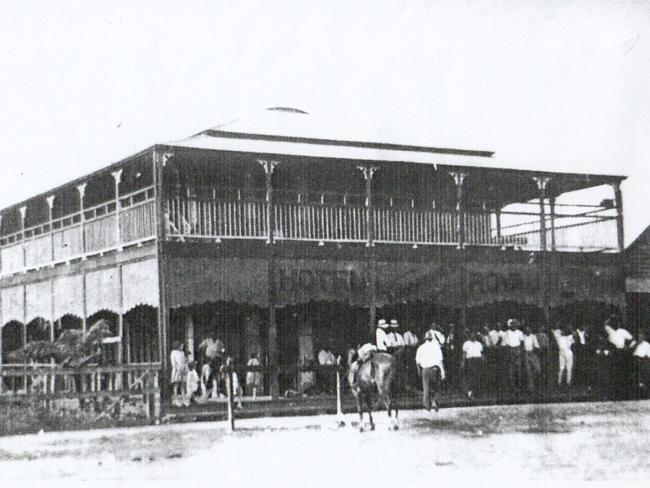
372,423
357,397
388,403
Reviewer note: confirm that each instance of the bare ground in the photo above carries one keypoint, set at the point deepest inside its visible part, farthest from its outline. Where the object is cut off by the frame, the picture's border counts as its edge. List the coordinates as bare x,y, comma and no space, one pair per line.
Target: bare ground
562,442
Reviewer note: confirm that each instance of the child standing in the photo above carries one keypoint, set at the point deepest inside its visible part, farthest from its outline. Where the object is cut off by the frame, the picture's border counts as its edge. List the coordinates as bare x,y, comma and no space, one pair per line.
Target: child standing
254,378
192,385
179,371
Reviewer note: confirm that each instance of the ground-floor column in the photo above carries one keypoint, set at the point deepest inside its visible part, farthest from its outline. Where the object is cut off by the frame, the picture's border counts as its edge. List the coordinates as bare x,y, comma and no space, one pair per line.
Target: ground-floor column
372,292
189,334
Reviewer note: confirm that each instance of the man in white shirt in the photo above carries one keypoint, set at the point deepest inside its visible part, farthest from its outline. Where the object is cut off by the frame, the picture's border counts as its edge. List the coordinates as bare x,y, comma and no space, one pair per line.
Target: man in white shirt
512,339
619,337
381,336
428,359
622,359
472,362
565,340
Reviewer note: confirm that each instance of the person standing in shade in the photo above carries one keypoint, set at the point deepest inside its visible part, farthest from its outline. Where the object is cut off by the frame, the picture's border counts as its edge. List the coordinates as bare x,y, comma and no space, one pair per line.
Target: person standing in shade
565,341
254,379
490,352
580,338
450,356
543,354
472,363
410,345
531,361
438,334
324,378
410,339
641,356
514,338
428,359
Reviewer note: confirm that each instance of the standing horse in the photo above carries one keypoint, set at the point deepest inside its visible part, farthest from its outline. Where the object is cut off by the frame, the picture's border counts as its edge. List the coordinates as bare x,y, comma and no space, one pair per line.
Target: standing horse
377,374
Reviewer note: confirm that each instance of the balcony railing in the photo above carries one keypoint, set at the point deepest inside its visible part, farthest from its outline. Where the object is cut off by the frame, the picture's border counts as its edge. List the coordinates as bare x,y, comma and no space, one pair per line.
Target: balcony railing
213,218
108,226
91,231
216,219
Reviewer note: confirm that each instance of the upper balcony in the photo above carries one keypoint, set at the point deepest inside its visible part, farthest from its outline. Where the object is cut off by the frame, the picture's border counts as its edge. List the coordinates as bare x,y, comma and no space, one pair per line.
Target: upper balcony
211,214
227,185
104,212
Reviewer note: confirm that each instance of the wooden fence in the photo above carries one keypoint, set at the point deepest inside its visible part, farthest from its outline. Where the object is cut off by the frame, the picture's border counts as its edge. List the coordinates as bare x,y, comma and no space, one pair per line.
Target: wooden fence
48,383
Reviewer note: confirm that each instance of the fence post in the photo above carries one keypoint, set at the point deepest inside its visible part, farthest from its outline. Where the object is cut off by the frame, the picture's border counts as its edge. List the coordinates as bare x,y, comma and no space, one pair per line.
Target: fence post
149,399
227,368
339,392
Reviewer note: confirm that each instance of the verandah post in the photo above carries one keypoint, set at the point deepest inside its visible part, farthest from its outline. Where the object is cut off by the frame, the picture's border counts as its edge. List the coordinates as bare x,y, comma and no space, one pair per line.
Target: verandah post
459,180
551,205
23,214
50,206
339,391
274,383
82,217
117,176
542,183
160,159
618,201
368,172
620,233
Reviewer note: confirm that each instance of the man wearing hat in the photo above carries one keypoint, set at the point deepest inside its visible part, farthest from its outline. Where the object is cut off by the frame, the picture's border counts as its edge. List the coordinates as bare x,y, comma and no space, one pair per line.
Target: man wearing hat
395,339
396,348
382,341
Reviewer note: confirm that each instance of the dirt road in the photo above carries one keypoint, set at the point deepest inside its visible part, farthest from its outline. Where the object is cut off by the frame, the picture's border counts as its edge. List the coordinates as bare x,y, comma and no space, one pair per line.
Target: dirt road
589,441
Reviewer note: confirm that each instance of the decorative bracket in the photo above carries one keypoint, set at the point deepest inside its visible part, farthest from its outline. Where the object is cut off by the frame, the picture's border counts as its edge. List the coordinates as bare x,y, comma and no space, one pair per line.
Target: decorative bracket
542,182
23,212
82,191
117,175
459,177
368,171
50,201
268,166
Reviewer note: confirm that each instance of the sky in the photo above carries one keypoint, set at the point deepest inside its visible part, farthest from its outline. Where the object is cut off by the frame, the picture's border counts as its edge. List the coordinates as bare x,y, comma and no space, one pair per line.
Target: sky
552,85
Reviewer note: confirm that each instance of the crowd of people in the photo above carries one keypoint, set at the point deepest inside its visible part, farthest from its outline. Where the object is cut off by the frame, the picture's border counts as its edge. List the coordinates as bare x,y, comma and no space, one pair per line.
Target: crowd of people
502,361
516,359
189,386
